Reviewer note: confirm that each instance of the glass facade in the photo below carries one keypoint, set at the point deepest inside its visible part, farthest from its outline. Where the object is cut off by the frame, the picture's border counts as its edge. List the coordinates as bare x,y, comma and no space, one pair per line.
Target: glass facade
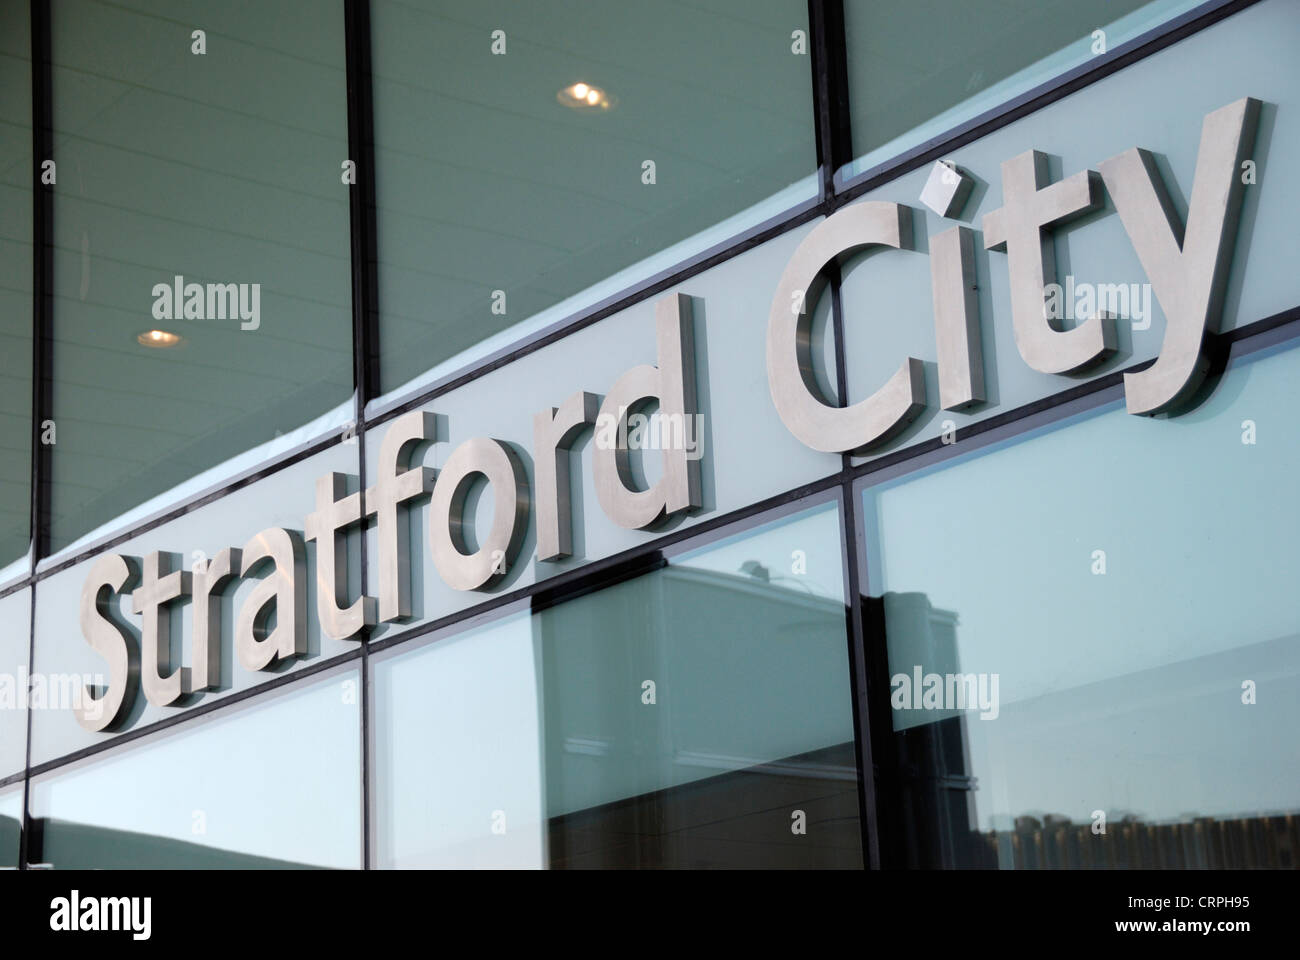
200,198
919,69
16,264
14,669
617,730
577,147
11,818
1132,637
297,296
219,793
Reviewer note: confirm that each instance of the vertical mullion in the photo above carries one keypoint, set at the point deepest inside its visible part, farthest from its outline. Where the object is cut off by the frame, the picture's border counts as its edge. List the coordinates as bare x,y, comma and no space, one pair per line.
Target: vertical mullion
361,205
42,278
364,705
834,149
42,349
859,665
859,675
830,90
365,318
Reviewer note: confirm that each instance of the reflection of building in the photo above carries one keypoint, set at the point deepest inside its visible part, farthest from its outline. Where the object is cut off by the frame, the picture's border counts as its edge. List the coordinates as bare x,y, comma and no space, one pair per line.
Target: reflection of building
715,643
9,828
94,848
1204,843
928,753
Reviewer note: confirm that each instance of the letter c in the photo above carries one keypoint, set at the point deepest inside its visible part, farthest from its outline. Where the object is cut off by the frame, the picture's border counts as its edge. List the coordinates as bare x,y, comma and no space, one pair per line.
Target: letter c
799,401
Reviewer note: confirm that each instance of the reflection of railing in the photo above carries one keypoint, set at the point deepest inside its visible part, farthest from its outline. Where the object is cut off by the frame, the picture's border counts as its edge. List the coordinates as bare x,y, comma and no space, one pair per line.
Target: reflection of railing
1203,843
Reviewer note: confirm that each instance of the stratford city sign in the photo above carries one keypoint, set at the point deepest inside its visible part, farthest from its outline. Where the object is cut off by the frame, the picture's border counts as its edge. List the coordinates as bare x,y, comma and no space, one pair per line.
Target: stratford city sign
1186,265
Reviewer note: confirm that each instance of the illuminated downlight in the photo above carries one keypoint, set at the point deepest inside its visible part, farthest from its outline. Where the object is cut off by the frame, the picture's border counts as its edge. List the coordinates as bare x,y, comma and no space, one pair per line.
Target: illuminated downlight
583,96
158,338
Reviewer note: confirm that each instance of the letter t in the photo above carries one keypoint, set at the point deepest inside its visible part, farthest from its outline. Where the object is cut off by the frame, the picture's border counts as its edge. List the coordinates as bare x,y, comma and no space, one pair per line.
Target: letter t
1031,206
395,484
335,512
161,684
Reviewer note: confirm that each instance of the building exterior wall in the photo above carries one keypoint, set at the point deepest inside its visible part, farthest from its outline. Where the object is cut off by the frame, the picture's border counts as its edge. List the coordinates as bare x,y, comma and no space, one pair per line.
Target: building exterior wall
448,245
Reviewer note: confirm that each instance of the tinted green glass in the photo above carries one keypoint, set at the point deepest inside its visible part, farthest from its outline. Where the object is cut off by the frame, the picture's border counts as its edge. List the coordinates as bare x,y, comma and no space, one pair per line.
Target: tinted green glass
699,715
501,193
1115,596
272,783
919,68
11,819
218,159
15,281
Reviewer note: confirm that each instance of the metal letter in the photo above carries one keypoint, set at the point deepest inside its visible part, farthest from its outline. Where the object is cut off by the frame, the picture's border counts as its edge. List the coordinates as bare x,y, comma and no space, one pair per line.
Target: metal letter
110,641
394,485
335,512
1031,206
448,524
208,583
791,377
672,383
554,433
162,685
956,318
1188,270
284,592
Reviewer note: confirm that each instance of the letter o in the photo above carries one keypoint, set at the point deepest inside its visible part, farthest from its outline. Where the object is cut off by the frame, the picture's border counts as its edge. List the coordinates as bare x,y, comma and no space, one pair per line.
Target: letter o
448,524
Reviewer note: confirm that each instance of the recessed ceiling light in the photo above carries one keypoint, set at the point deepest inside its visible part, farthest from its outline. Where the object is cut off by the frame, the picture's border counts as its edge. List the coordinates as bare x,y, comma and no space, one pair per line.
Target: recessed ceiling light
583,96
158,338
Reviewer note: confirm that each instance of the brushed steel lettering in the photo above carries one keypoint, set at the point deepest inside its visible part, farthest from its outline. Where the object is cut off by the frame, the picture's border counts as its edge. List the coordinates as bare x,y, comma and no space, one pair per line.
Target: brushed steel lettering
1188,269
791,373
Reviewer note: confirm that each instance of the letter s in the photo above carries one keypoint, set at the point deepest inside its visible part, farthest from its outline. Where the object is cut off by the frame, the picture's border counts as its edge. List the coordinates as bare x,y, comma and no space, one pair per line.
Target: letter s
118,574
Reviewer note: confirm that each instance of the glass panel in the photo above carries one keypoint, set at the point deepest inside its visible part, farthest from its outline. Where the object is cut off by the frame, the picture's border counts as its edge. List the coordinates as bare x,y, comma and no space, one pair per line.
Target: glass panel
282,499
886,296
920,68
11,822
15,644
501,194
696,716
746,454
15,286
1114,597
458,748
275,782
221,167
